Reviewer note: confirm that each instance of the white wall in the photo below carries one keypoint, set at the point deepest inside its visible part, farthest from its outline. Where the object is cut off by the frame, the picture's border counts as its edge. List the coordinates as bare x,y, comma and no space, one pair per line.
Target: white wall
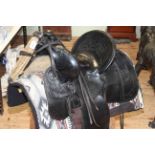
31,29
79,30
76,30
138,32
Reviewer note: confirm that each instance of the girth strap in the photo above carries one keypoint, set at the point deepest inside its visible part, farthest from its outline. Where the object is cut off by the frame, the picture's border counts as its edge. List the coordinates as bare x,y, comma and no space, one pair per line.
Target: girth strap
88,100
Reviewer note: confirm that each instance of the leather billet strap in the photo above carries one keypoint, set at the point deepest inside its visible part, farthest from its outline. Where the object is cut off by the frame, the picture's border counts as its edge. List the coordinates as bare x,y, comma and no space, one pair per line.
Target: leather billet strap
87,100
96,106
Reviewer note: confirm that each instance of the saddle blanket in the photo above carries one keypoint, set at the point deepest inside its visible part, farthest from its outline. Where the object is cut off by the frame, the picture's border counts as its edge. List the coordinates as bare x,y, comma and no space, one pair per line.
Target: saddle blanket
31,88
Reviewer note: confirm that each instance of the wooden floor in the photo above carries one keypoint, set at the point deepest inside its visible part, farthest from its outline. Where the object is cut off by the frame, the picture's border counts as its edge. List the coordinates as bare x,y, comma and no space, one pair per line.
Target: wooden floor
21,116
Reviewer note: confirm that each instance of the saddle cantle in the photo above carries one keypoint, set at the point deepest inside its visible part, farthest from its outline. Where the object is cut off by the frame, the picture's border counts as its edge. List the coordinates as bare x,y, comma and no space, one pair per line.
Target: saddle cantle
96,46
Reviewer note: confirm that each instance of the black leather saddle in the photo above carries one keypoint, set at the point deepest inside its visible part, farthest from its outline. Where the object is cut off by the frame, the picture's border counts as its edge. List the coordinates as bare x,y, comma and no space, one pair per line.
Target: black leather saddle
93,74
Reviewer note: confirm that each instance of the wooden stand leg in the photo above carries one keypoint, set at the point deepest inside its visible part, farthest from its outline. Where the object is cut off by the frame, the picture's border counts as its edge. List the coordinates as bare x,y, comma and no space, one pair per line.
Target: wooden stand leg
2,71
32,122
1,100
25,35
112,122
122,121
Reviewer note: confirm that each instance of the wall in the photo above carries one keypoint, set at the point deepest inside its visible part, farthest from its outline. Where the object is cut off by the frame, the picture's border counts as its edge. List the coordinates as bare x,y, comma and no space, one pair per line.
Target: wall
79,30
31,29
138,32
76,30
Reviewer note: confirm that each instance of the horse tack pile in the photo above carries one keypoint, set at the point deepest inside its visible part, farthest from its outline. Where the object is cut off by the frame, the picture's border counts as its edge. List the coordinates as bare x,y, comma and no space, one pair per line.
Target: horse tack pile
24,58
